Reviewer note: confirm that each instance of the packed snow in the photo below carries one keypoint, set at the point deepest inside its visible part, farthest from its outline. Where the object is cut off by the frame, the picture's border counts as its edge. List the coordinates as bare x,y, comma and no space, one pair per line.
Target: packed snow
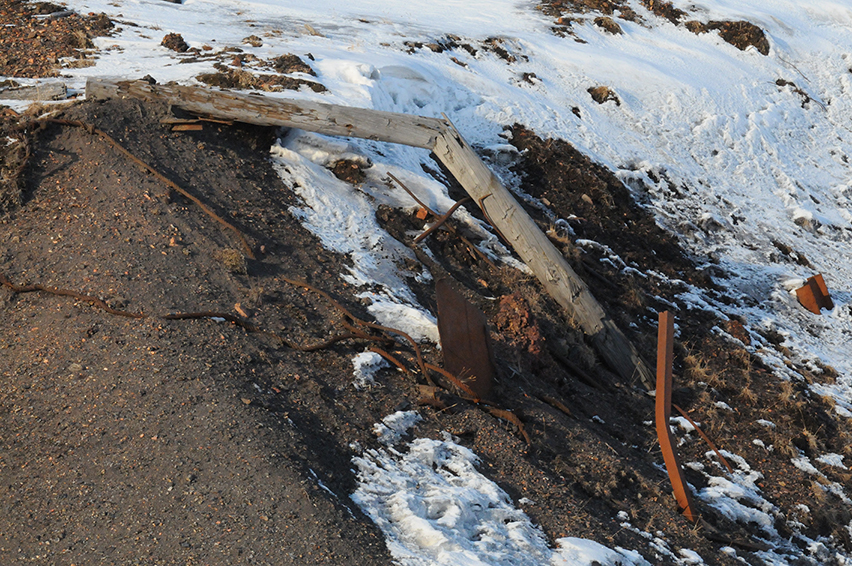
742,156
436,508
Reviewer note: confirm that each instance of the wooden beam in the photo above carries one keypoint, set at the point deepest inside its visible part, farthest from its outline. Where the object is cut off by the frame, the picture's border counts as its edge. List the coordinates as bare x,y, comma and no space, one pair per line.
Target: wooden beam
440,136
540,255
43,91
329,119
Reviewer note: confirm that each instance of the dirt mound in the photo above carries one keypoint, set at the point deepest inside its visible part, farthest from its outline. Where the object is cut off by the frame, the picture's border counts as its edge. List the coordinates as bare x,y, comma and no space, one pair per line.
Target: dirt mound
197,440
240,79
34,47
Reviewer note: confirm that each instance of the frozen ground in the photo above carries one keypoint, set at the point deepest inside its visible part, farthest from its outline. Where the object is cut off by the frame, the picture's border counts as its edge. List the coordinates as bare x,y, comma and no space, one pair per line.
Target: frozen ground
741,166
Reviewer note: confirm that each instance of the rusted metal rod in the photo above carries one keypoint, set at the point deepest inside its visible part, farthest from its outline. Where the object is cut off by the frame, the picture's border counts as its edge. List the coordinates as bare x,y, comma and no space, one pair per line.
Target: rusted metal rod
665,357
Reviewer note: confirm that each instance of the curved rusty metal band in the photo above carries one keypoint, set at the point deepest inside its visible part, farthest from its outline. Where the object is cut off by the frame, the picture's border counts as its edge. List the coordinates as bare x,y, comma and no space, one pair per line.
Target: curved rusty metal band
665,356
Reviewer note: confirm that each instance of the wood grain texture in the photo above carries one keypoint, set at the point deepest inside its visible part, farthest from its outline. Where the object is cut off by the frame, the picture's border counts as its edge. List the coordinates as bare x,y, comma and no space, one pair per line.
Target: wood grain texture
318,117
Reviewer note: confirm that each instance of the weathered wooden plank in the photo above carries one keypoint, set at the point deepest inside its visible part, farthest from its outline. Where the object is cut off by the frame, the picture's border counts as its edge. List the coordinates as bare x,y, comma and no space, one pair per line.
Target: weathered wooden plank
318,117
542,257
45,91
534,248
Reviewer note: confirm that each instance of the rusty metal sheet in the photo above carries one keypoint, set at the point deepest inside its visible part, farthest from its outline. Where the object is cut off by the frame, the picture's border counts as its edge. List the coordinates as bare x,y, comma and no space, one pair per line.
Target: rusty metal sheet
665,356
465,341
813,295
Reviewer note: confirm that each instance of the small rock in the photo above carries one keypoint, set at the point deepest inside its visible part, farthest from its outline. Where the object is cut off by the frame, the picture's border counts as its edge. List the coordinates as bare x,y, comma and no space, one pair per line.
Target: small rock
609,25
74,369
175,42
601,94
253,40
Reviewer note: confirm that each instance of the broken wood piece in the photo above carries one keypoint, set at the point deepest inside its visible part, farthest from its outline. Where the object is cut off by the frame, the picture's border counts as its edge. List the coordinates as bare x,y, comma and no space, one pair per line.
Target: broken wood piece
54,15
541,256
441,220
465,341
441,137
39,92
813,295
665,357
187,127
450,227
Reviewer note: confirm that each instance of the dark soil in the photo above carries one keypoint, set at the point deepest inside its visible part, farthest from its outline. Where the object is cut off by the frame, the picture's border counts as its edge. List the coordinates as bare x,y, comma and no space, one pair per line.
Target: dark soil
32,47
175,42
601,94
742,35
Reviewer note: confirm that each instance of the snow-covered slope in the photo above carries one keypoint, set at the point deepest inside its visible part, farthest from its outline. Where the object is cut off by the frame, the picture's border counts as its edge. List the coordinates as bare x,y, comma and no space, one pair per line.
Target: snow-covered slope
745,156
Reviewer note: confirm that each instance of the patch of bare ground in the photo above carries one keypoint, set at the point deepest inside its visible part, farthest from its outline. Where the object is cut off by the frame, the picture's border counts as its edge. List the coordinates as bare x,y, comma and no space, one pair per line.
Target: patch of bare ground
196,441
35,45
740,34
724,387
230,77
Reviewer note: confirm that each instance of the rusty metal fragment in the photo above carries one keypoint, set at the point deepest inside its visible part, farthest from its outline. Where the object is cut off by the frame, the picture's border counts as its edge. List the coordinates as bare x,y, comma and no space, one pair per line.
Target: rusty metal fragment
813,295
464,340
665,356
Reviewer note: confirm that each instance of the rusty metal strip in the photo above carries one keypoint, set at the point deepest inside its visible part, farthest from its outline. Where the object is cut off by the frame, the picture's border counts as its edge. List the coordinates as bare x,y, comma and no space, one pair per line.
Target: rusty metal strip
665,357
465,341
556,404
390,358
68,293
813,295
470,393
704,436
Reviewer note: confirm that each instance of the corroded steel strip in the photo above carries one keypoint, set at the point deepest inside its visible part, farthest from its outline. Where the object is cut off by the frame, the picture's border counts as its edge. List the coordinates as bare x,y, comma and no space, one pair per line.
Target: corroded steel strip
814,295
464,340
665,356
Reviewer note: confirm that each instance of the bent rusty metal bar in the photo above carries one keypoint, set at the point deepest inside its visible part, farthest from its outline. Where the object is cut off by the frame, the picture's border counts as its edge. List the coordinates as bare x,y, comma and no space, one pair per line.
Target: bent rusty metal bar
813,295
665,356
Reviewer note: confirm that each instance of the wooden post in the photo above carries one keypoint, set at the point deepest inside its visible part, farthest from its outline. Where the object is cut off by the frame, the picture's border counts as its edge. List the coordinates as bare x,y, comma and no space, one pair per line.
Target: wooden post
329,119
440,136
542,257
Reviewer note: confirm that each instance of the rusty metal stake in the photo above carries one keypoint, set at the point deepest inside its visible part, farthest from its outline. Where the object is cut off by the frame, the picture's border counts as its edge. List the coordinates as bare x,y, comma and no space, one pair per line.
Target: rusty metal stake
665,356
813,295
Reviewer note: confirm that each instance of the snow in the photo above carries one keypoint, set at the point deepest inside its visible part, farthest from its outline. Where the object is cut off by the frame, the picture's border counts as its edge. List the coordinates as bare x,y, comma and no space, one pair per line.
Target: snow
365,365
394,427
729,160
436,508
832,459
